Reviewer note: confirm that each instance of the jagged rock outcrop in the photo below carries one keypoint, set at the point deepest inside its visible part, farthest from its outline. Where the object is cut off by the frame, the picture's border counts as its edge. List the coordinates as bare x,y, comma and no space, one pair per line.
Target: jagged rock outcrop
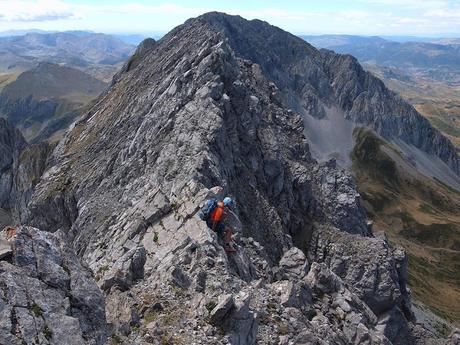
203,108
216,120
313,81
21,166
12,143
142,49
373,270
46,295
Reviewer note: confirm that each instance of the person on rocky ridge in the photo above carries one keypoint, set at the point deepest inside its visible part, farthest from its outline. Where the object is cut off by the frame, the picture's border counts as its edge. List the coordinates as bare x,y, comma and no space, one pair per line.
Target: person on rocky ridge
214,213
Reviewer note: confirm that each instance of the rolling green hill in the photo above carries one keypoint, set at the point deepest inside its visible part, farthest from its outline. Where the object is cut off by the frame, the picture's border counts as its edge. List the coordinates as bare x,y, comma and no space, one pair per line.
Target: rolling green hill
416,212
43,101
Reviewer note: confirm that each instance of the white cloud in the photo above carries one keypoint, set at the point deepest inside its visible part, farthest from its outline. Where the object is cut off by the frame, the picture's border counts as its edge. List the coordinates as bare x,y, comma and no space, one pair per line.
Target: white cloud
407,20
354,15
416,4
28,11
444,14
404,16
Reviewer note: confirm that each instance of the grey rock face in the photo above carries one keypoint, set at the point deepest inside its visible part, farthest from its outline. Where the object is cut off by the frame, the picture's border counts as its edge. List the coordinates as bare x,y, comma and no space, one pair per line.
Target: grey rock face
340,201
367,101
5,249
128,269
143,48
47,297
293,264
11,145
311,81
126,183
369,266
218,314
375,272
216,120
21,166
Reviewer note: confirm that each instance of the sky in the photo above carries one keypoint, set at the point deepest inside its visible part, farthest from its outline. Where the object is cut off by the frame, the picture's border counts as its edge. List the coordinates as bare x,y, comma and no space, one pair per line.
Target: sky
362,17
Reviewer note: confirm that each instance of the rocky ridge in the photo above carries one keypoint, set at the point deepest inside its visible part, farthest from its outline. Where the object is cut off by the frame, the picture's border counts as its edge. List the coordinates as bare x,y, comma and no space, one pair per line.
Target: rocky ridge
47,296
126,182
312,81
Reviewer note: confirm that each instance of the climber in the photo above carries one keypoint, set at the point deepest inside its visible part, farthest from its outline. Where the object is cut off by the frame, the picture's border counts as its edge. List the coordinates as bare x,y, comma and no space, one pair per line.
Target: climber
214,213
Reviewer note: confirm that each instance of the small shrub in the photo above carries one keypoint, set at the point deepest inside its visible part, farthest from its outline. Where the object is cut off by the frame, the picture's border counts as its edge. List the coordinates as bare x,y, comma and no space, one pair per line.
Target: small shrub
210,305
443,329
220,332
266,319
103,269
66,269
115,340
170,339
283,329
178,291
150,317
36,310
271,306
47,333
175,206
172,317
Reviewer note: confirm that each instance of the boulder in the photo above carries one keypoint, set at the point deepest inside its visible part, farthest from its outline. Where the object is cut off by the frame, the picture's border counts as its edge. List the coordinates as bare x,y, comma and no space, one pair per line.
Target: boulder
5,249
48,296
371,268
242,322
293,264
128,269
220,311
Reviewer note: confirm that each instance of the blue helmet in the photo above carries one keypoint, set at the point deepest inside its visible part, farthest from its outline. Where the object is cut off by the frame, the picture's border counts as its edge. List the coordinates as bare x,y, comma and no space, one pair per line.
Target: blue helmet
228,201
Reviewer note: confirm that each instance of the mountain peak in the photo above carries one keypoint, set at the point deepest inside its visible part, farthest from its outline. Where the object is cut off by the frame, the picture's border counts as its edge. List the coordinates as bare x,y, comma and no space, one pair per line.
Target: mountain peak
222,106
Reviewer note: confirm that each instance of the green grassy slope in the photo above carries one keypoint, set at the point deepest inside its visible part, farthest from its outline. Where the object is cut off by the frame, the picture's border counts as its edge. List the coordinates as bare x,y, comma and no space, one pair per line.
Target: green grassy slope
420,214
43,101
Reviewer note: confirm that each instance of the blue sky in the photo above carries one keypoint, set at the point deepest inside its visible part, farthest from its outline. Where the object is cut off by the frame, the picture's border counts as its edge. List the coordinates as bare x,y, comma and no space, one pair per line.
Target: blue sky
365,17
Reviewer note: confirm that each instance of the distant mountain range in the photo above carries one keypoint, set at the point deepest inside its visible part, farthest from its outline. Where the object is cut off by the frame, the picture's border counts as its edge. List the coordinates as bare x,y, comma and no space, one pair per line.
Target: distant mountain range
427,74
44,100
133,39
444,53
46,78
80,49
21,32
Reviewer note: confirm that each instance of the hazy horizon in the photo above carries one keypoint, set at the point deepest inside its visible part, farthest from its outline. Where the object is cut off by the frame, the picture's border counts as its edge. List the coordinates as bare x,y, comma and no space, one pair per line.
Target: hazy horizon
429,18
158,35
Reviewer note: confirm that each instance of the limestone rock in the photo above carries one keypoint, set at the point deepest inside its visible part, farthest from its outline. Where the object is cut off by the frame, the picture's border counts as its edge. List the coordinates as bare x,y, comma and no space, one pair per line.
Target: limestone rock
293,264
221,309
5,249
47,295
21,166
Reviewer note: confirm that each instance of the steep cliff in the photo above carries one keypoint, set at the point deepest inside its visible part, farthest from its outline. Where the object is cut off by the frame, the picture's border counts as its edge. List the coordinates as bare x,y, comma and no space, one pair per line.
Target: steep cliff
317,83
21,166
